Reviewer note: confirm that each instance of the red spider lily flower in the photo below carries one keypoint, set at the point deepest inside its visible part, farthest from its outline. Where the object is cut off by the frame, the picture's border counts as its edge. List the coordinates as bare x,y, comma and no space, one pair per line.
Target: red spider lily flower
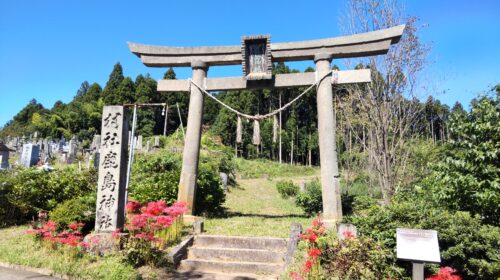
50,225
311,237
163,221
73,226
116,233
133,207
137,222
313,253
307,266
177,209
317,223
84,245
348,234
295,276
154,208
145,236
445,273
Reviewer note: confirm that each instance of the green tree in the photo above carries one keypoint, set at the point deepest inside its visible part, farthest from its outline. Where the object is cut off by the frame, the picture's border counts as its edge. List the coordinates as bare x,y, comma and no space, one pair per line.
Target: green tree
111,93
468,178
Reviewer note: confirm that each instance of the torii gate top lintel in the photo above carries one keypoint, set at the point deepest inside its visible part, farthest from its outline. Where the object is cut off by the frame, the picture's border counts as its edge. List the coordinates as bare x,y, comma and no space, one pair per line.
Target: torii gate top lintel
256,55
358,45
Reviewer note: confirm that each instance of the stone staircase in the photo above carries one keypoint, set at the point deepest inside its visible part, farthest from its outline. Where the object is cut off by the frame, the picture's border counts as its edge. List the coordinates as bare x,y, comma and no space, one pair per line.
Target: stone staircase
231,257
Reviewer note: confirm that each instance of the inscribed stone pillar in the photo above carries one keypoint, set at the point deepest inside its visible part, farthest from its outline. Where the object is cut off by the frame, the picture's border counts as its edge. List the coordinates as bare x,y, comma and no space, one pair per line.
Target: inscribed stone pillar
30,155
138,144
330,185
157,142
72,150
110,208
190,157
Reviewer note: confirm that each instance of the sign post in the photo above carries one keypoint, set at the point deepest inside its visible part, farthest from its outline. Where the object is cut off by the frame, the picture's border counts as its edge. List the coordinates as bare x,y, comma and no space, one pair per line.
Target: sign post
418,246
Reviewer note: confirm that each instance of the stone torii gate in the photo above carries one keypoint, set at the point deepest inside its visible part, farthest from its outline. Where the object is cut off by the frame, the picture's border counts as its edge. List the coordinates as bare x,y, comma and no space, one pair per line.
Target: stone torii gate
256,55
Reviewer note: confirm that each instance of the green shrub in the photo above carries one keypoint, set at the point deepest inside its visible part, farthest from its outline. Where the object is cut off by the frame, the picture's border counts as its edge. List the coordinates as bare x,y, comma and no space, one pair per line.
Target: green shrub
8,213
358,258
28,190
209,194
156,177
466,245
310,200
78,209
287,189
259,168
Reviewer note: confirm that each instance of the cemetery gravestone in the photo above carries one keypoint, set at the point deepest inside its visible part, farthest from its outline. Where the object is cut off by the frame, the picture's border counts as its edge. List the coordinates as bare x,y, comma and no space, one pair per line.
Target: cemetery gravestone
72,151
157,142
97,155
30,155
302,186
4,156
224,178
138,144
96,142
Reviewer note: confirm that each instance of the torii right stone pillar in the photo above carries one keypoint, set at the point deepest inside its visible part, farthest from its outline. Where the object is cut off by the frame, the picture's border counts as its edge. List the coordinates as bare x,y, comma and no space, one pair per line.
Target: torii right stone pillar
330,181
190,157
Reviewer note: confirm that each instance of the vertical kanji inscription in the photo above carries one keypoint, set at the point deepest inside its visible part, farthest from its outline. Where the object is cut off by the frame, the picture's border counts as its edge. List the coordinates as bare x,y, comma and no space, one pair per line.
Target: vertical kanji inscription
110,206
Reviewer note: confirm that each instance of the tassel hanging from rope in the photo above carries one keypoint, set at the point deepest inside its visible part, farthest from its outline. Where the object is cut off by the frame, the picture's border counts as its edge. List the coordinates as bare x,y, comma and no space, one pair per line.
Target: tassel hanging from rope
238,131
275,129
256,133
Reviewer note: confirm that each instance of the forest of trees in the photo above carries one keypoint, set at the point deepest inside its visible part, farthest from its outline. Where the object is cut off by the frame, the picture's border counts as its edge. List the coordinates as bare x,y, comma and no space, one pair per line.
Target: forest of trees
357,132
82,116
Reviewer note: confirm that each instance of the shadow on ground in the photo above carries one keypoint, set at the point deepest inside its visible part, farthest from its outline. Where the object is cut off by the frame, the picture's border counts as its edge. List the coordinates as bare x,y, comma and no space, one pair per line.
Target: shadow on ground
208,276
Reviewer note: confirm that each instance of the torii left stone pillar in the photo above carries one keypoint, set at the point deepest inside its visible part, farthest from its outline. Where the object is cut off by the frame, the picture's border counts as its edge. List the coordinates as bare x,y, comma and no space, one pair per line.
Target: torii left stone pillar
330,181
191,155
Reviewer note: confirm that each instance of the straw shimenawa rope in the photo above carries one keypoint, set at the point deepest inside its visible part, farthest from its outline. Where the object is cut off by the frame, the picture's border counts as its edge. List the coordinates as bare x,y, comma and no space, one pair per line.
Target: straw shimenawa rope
260,117
257,118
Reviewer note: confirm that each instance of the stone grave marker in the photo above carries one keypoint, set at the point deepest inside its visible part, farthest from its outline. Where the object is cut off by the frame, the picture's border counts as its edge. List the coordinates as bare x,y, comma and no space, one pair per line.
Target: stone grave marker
96,142
302,186
138,144
97,155
30,155
72,150
4,156
157,142
224,178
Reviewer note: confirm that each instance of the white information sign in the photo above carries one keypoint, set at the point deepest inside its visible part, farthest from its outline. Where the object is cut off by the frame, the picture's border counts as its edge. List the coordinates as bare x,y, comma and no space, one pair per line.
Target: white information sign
417,245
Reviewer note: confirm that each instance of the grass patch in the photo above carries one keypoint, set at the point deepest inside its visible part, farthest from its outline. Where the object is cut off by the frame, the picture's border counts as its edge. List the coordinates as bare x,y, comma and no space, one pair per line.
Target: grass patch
266,168
16,247
255,208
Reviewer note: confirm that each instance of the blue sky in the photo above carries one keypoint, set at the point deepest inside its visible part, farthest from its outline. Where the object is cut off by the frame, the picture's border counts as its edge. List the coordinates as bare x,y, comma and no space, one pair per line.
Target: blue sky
48,48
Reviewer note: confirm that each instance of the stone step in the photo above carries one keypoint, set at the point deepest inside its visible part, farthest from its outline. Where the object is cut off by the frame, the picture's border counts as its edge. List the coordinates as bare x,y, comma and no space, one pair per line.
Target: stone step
231,267
258,243
200,275
235,254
